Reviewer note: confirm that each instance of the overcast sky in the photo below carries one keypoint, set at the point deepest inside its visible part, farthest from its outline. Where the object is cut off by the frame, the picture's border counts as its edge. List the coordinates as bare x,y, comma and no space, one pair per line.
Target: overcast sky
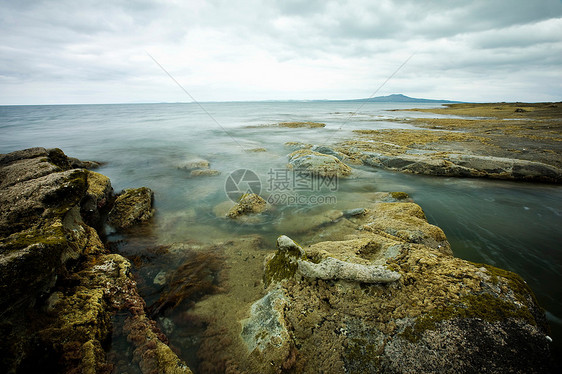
56,52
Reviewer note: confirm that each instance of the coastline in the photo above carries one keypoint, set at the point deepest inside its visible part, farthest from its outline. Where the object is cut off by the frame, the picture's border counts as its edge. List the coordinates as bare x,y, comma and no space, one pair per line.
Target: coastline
515,141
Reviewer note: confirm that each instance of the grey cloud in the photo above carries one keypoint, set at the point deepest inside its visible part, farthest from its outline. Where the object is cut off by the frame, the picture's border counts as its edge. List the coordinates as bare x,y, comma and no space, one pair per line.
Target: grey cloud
93,41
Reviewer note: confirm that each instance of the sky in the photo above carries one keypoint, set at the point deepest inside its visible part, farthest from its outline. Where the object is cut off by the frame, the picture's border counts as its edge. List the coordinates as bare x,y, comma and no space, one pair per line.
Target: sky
97,51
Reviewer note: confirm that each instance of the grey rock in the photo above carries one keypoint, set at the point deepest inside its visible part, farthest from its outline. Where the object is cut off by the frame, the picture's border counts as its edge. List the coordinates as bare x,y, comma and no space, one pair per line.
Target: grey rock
328,151
462,165
265,326
318,163
334,269
194,164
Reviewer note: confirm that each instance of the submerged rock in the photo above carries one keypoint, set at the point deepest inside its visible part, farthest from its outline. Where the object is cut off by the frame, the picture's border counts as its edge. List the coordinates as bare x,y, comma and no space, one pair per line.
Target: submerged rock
249,203
204,173
319,163
328,151
257,150
198,167
195,164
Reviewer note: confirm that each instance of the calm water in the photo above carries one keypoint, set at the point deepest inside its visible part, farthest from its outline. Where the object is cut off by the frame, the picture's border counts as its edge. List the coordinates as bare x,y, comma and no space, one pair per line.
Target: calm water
515,226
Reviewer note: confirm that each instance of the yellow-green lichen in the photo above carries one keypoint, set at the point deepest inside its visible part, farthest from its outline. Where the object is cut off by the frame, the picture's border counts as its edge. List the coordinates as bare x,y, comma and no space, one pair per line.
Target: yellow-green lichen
302,124
513,280
399,195
484,306
281,266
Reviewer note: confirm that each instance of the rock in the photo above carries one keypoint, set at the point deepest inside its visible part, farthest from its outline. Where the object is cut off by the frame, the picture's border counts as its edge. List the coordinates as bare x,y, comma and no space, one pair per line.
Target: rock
321,164
334,269
256,150
310,125
493,142
195,164
297,145
284,263
37,229
198,167
431,312
131,207
28,164
266,327
98,199
328,151
78,164
249,203
291,259
221,210
204,173
461,165
406,221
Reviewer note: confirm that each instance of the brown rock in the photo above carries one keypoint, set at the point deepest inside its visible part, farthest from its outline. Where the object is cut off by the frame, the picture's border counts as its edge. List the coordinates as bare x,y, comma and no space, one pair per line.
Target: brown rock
131,207
249,203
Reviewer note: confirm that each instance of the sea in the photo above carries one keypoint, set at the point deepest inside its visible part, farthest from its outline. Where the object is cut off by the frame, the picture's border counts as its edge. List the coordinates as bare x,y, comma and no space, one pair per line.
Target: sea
512,225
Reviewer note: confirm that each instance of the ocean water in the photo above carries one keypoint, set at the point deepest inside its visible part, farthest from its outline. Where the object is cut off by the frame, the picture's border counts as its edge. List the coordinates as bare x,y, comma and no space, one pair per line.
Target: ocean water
515,226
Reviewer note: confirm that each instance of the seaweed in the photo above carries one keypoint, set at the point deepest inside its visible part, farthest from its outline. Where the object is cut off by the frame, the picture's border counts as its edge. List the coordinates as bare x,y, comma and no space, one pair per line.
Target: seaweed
196,277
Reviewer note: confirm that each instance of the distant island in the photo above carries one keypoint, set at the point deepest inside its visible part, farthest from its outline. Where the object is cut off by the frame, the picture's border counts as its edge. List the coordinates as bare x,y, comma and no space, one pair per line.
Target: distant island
399,98
394,98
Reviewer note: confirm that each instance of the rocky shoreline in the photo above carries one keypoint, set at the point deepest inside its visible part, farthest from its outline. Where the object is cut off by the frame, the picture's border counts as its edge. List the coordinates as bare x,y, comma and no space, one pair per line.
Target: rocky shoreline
376,289
511,141
60,286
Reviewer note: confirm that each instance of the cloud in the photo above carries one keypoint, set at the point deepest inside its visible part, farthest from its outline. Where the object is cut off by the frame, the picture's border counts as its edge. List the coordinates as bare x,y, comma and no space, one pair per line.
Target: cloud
94,51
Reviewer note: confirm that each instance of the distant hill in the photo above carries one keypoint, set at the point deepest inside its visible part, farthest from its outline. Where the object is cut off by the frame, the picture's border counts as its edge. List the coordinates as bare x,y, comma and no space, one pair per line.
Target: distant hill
399,98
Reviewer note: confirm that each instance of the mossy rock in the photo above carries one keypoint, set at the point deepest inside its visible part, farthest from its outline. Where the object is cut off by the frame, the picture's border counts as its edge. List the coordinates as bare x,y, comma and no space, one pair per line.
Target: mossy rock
131,207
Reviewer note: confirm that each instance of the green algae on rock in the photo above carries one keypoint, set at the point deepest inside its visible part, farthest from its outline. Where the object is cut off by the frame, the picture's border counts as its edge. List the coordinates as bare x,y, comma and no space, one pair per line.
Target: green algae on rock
249,203
322,164
491,141
131,207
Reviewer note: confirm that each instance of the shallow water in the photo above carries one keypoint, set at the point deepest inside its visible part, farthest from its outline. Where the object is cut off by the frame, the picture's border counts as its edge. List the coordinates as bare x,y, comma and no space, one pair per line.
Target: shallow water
515,226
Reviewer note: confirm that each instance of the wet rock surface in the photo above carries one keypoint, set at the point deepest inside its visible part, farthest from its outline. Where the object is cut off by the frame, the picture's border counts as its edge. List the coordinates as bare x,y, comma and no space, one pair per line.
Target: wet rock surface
132,206
60,288
321,164
198,167
248,204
